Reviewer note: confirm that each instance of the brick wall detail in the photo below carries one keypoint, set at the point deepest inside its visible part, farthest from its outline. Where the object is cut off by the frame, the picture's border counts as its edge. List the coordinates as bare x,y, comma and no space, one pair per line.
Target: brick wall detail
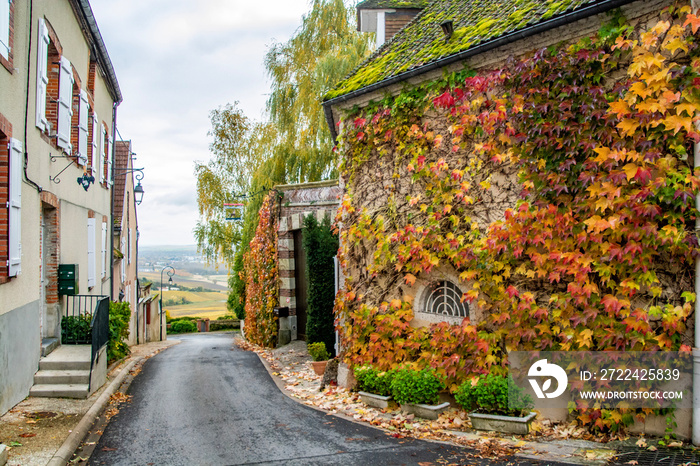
50,212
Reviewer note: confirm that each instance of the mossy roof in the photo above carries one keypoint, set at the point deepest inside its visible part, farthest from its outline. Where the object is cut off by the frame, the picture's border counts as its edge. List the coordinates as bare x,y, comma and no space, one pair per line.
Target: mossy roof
380,4
422,42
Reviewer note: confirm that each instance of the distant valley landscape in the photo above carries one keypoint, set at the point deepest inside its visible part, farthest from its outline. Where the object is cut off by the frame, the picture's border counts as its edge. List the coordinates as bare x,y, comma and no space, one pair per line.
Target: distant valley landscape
198,289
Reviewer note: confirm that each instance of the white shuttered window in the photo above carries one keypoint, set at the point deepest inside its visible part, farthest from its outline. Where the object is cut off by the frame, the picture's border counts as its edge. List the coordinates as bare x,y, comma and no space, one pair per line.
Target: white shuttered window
110,156
83,129
104,250
65,107
123,261
92,258
15,217
97,154
42,75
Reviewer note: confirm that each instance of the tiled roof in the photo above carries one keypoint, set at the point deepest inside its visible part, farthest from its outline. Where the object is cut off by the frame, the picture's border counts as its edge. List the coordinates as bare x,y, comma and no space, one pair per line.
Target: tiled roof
422,42
122,151
381,4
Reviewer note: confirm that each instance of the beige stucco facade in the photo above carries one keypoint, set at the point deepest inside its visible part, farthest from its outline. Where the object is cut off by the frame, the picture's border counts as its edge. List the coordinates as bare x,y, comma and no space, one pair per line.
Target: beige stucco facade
55,209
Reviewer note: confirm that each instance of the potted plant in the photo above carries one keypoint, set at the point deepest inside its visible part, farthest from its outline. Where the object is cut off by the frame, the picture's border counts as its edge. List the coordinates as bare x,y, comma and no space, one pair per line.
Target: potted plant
320,356
418,392
374,386
499,404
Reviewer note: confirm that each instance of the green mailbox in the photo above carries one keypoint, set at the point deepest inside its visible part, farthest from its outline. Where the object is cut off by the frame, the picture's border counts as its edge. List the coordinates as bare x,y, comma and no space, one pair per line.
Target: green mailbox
68,279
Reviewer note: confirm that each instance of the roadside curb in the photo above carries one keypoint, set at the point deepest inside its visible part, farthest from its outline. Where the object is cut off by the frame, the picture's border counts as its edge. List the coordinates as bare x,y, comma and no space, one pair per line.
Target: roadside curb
3,455
65,452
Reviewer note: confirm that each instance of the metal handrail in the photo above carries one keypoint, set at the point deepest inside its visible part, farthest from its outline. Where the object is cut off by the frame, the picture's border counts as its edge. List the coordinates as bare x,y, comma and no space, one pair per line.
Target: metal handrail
100,331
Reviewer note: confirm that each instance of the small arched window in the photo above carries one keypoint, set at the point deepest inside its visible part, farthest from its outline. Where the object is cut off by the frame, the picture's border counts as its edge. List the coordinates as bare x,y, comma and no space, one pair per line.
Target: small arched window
444,298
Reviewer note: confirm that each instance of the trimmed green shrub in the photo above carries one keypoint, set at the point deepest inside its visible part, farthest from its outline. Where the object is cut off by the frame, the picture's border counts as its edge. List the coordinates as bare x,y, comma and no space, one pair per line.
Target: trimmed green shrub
373,381
416,387
236,297
491,394
183,326
321,245
76,329
318,351
119,316
217,325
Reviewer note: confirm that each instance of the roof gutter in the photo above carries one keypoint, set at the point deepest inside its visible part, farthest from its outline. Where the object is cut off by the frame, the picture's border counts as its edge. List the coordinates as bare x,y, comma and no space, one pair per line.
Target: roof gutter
101,49
539,28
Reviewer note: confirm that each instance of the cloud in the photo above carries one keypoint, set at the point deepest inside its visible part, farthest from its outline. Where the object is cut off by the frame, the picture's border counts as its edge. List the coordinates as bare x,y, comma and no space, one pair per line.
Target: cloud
176,60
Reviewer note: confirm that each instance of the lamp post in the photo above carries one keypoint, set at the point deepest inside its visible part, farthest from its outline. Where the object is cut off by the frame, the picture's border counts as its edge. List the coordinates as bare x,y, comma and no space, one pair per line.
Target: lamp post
170,282
138,189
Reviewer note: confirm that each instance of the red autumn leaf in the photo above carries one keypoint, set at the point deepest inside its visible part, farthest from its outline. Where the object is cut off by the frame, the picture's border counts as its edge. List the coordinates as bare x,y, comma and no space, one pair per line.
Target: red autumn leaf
694,22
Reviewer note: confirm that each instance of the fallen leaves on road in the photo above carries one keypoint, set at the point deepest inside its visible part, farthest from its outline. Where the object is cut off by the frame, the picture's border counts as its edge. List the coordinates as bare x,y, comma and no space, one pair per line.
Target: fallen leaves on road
302,383
119,397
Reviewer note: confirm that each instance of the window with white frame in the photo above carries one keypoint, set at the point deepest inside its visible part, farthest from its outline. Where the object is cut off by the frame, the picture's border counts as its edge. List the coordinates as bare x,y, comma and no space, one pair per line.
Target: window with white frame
5,28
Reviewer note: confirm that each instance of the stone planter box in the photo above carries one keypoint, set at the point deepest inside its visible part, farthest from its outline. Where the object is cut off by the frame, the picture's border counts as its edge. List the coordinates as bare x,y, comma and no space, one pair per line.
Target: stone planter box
376,401
505,424
425,411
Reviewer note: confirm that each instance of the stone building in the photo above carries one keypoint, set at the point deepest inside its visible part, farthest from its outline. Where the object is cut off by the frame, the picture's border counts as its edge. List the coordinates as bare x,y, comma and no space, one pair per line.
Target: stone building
445,37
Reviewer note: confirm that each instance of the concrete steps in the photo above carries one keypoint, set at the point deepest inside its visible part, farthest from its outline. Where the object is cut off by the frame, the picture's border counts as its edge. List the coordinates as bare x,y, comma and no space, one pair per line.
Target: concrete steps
48,377
65,373
60,391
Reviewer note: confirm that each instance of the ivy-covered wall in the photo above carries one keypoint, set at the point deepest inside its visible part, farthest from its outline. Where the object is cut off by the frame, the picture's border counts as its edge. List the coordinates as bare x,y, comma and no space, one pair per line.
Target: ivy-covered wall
558,188
261,276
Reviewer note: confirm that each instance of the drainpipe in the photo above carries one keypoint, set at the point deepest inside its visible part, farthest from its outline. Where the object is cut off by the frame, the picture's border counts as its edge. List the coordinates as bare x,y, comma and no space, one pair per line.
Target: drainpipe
111,204
696,340
38,188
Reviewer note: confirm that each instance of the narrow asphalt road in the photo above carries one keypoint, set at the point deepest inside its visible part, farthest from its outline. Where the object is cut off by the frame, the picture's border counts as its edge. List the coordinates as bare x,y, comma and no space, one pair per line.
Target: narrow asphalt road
206,402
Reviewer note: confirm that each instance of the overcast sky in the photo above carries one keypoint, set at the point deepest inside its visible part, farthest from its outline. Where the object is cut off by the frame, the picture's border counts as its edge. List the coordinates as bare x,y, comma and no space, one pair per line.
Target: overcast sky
176,60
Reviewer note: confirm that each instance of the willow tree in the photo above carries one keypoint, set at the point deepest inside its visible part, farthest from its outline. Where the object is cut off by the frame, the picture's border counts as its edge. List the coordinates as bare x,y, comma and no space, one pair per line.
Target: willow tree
325,48
292,145
238,148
